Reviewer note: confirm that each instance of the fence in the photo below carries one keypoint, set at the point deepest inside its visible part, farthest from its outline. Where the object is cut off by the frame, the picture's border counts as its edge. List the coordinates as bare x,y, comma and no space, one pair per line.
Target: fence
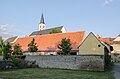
85,62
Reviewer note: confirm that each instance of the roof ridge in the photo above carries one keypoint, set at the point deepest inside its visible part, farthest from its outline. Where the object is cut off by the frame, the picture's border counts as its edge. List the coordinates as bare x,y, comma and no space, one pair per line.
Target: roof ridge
59,33
52,34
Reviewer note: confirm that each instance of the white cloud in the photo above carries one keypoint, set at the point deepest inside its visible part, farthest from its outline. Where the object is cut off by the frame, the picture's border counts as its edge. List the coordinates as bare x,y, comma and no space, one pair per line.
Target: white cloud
106,2
6,30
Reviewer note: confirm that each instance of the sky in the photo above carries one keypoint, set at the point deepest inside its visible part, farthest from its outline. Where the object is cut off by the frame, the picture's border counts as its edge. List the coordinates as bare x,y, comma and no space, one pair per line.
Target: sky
21,17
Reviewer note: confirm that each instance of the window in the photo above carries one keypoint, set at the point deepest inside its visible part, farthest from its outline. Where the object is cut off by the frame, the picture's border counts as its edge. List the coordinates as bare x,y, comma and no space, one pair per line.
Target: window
99,45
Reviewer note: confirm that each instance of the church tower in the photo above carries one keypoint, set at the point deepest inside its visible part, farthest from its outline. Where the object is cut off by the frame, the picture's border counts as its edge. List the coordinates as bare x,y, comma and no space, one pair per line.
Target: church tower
42,25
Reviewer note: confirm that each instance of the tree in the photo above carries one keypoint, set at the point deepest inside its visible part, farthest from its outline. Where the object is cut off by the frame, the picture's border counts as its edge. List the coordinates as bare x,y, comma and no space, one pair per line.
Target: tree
1,45
7,50
55,30
17,50
32,46
65,46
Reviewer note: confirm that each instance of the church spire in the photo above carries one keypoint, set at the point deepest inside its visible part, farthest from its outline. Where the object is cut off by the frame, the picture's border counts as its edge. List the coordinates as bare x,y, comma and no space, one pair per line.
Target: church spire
42,19
42,25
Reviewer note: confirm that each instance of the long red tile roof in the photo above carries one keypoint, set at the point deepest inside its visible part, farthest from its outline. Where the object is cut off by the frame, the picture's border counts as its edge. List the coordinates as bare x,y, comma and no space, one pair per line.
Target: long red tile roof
49,42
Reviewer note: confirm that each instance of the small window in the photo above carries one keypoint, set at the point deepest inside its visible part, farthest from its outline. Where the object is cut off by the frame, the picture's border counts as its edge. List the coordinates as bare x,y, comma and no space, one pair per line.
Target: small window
99,45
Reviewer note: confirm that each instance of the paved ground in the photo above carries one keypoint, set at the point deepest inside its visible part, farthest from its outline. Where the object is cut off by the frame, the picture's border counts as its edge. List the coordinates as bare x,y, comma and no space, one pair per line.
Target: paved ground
117,71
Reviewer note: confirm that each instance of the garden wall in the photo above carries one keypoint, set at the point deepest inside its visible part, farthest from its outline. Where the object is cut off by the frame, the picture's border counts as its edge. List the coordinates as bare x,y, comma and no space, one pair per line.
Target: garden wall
115,57
85,62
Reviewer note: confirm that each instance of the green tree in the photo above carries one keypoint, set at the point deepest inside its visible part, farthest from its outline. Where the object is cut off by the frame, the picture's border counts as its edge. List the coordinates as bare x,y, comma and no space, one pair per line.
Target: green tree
1,45
32,46
7,50
55,30
65,46
17,50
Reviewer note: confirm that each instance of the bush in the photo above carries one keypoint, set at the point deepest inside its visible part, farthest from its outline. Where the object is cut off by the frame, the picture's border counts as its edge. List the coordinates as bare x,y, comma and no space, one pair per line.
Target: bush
17,64
6,65
17,50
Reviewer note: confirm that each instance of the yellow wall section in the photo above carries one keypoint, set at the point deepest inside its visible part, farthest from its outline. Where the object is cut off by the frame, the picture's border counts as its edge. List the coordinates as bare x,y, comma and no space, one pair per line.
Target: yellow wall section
91,45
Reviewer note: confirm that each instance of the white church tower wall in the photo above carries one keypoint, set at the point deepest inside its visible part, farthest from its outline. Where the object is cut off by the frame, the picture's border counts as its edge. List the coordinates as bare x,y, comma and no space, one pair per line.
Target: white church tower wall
42,25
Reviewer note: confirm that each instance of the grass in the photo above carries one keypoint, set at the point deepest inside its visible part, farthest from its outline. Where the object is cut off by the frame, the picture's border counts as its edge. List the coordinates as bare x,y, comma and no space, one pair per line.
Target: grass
39,73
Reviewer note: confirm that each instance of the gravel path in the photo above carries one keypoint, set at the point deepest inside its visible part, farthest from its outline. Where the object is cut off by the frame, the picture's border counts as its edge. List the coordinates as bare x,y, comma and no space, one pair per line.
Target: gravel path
117,71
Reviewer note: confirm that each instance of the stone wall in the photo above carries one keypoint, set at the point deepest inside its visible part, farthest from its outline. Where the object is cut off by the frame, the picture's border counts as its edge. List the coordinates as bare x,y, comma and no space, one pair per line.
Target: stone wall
70,62
115,57
40,53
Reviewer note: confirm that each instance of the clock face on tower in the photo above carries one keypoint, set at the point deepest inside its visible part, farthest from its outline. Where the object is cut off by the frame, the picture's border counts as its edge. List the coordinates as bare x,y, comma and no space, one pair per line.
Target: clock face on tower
42,25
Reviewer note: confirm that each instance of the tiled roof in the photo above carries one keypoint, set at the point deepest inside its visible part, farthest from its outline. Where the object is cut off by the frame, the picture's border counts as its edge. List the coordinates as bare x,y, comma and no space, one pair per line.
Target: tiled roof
107,40
11,40
42,32
49,42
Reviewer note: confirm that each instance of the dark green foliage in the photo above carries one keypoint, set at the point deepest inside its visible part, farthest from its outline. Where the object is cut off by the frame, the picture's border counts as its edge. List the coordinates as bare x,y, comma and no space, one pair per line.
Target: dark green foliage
55,30
108,62
17,50
17,64
65,46
32,46
7,50
1,45
20,63
18,57
6,65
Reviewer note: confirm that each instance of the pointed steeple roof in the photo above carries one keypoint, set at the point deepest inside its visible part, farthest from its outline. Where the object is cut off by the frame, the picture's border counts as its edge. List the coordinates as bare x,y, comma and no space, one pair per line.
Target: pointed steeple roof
42,19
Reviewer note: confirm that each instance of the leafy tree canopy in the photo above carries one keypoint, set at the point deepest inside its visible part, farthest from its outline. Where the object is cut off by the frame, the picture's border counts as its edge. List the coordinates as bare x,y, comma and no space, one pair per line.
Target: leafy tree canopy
1,45
32,46
65,46
55,30
7,50
17,50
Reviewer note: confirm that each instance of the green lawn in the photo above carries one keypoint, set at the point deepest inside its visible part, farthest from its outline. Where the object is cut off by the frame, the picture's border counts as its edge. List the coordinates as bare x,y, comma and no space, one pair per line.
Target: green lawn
39,73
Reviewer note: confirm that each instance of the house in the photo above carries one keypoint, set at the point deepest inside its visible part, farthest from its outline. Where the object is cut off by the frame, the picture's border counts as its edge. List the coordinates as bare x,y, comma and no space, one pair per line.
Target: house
116,45
47,44
11,40
117,39
93,46
42,28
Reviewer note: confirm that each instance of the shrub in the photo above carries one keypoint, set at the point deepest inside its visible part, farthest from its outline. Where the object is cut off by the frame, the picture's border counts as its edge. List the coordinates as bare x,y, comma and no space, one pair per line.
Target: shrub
17,64
17,50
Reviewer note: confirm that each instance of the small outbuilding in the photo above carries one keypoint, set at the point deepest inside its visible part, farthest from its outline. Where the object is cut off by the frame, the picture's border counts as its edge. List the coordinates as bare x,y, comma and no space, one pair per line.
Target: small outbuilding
92,46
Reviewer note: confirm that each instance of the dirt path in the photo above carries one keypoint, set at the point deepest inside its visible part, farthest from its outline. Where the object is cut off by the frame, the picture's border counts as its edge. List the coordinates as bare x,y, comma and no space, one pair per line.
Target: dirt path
117,71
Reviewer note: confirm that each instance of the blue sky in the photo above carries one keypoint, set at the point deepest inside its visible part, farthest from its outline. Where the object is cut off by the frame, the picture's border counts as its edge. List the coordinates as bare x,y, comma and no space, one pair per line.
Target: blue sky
21,17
